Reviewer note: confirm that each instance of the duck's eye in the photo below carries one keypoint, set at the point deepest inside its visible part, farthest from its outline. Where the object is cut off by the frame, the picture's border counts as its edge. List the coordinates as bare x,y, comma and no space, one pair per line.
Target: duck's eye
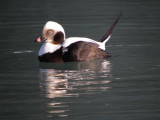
50,31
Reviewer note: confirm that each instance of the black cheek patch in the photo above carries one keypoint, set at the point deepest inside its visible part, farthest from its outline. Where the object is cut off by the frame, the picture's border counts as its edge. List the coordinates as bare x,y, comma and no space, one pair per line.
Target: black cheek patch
58,38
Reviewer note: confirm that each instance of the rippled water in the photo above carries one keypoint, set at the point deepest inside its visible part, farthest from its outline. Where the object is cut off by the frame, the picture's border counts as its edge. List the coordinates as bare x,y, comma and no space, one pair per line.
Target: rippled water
123,87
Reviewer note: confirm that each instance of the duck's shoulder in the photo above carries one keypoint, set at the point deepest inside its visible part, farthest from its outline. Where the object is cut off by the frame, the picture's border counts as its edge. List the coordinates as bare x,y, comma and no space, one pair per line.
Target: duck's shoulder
71,40
48,48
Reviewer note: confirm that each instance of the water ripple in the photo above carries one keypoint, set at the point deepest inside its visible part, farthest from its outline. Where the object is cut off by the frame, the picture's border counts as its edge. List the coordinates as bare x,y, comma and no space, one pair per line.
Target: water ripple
23,51
65,83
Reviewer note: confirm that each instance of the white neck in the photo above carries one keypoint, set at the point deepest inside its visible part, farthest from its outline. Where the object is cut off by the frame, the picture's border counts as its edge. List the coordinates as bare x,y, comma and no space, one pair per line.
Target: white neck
48,48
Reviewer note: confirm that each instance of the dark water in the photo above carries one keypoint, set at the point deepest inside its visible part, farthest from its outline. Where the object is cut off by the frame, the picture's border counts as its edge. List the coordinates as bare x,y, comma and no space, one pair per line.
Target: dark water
124,87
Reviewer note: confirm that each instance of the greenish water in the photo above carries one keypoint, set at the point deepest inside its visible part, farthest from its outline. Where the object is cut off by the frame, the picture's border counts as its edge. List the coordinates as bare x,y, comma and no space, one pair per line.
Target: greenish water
123,87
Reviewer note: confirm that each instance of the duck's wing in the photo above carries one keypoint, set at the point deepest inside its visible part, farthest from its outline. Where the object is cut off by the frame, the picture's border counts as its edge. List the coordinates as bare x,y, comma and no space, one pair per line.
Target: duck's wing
83,50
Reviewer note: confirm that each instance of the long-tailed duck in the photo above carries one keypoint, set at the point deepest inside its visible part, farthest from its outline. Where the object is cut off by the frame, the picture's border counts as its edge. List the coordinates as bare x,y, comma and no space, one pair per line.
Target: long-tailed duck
57,48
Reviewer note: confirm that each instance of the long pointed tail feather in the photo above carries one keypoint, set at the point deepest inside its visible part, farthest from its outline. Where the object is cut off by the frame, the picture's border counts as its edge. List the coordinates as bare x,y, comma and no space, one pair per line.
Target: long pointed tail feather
106,37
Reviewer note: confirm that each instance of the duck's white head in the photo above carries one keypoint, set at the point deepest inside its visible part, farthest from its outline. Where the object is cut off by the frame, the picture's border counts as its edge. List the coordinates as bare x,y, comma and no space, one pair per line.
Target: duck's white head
52,33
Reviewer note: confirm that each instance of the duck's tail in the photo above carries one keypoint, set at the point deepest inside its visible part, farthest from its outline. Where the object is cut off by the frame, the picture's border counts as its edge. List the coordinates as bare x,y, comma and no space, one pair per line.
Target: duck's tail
107,36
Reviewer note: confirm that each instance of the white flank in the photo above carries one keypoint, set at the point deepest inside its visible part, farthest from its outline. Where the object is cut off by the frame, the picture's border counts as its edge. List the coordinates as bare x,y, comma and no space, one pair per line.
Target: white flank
48,48
71,40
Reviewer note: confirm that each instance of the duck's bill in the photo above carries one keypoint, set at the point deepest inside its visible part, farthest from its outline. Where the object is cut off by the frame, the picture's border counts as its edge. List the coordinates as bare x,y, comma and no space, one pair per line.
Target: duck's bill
39,39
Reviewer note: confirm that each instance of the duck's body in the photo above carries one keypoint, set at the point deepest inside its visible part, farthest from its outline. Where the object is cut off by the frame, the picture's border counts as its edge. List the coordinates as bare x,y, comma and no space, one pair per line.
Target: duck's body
50,53
58,49
81,49
73,49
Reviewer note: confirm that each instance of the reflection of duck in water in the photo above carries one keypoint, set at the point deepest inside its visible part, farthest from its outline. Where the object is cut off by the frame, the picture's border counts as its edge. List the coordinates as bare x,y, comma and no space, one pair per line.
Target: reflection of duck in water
73,82
52,84
59,49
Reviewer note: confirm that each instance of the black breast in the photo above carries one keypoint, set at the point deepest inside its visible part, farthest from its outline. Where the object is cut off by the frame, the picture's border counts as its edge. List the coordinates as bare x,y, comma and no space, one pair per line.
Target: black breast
52,57
81,51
